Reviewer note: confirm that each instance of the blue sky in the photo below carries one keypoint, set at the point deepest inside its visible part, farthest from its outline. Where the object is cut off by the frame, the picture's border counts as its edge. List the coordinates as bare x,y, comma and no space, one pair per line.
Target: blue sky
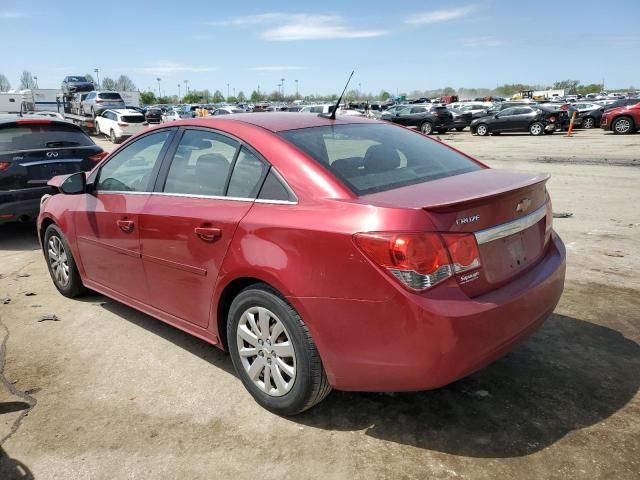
400,46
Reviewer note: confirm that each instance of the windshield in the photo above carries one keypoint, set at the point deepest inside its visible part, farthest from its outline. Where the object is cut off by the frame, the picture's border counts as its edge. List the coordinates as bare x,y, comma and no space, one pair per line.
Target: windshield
373,158
77,79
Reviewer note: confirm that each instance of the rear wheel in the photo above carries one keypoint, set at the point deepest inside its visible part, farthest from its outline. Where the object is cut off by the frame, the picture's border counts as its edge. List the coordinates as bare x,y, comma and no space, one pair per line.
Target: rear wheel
426,128
588,122
622,125
536,128
98,132
482,129
62,266
273,352
113,137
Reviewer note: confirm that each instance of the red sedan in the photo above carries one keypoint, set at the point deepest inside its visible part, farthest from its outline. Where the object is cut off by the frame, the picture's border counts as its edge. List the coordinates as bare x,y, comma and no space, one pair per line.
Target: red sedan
348,253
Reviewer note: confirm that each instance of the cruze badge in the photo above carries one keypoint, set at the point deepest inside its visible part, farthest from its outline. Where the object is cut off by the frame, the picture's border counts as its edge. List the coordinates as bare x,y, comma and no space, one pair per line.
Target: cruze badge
523,205
465,220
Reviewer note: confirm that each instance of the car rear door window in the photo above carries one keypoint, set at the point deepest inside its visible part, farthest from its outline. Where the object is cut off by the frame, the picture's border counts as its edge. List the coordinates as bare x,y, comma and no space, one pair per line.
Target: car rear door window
274,189
131,169
248,173
201,164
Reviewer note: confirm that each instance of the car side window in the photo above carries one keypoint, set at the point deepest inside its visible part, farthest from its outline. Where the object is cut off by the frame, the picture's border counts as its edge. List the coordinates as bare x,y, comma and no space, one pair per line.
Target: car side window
274,189
247,175
508,111
131,168
201,164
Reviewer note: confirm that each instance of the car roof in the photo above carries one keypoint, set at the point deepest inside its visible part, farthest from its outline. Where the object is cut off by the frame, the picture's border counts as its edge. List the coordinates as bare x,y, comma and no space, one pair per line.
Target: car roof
281,121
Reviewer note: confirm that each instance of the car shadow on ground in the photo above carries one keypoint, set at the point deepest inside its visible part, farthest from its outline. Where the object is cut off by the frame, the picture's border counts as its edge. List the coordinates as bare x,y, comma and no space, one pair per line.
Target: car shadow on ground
19,236
12,469
181,339
571,374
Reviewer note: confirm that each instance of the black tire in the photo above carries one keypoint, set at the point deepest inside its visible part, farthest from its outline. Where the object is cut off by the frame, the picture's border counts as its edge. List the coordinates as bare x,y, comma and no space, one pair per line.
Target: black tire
98,132
482,129
623,125
588,122
459,129
536,129
426,128
93,114
310,385
73,287
112,136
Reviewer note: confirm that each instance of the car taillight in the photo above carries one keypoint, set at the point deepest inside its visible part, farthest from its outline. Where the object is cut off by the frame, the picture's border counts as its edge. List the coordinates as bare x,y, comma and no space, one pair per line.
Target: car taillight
120,124
4,166
99,101
98,157
420,260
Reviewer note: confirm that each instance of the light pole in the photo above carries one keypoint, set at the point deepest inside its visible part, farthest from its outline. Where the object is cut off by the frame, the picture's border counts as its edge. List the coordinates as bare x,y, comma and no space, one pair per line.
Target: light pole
227,91
359,90
279,89
186,87
234,92
179,96
159,92
296,88
282,83
35,79
97,72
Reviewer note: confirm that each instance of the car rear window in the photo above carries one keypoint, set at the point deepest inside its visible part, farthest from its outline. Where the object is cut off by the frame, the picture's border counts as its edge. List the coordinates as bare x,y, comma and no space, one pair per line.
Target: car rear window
132,118
110,96
39,136
371,158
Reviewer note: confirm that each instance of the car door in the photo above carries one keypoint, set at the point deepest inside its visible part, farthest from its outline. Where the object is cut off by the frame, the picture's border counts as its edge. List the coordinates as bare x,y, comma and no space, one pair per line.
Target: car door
107,218
503,122
522,117
186,227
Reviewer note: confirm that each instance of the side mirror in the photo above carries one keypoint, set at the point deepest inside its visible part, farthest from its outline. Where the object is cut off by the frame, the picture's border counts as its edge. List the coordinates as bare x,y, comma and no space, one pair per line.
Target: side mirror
74,184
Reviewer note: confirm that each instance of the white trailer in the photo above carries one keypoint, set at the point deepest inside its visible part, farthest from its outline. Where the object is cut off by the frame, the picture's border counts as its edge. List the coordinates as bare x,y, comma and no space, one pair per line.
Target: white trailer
10,102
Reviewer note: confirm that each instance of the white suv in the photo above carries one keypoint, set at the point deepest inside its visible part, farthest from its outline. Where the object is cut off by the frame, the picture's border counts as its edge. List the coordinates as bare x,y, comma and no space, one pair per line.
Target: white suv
120,124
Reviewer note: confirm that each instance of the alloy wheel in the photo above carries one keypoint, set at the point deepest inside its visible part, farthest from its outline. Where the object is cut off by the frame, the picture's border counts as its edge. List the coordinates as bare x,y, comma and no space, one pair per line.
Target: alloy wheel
266,351
535,129
622,125
58,260
481,130
588,123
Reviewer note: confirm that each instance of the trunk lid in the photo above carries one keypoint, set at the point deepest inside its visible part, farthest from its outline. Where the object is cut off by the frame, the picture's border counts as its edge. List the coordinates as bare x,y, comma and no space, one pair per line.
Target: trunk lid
508,212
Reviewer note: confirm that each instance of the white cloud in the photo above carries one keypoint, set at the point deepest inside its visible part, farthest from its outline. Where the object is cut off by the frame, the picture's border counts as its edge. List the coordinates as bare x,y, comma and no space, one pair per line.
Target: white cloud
437,16
480,42
8,15
166,68
274,68
300,26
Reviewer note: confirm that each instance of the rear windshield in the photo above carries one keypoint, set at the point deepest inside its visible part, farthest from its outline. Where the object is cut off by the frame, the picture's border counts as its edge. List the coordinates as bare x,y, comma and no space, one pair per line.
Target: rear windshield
30,137
110,96
132,118
371,158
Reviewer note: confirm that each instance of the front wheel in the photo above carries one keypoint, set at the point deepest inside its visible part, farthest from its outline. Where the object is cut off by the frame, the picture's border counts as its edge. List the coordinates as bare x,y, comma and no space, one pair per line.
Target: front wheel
273,352
482,130
622,125
588,123
536,128
113,138
426,128
61,264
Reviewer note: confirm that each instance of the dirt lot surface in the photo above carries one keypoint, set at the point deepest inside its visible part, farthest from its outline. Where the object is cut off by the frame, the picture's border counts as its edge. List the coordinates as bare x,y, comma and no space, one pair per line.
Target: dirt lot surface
107,392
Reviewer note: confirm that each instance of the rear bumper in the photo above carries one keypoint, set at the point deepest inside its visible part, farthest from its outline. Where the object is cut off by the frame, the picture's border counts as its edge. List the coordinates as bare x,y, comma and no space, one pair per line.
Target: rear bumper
16,204
420,342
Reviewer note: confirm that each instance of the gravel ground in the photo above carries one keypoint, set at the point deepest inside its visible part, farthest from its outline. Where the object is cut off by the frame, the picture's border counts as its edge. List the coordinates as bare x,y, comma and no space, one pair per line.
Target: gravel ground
107,392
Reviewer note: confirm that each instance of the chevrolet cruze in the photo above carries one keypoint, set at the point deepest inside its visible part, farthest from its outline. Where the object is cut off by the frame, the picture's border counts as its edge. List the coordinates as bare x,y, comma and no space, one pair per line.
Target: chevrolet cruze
321,253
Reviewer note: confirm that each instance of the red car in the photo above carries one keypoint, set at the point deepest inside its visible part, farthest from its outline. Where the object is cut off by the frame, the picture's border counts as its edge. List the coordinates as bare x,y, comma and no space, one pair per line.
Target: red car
349,253
622,119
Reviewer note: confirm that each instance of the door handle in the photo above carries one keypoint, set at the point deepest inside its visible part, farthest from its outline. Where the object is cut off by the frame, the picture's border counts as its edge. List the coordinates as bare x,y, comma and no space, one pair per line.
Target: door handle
125,225
208,234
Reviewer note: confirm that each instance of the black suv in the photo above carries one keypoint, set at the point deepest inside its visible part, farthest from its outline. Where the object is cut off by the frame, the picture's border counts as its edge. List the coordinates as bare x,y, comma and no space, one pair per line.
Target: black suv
34,150
426,117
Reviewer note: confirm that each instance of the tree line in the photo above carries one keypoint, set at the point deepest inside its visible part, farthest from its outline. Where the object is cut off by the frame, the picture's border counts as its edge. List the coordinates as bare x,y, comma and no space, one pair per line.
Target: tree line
124,84
28,81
